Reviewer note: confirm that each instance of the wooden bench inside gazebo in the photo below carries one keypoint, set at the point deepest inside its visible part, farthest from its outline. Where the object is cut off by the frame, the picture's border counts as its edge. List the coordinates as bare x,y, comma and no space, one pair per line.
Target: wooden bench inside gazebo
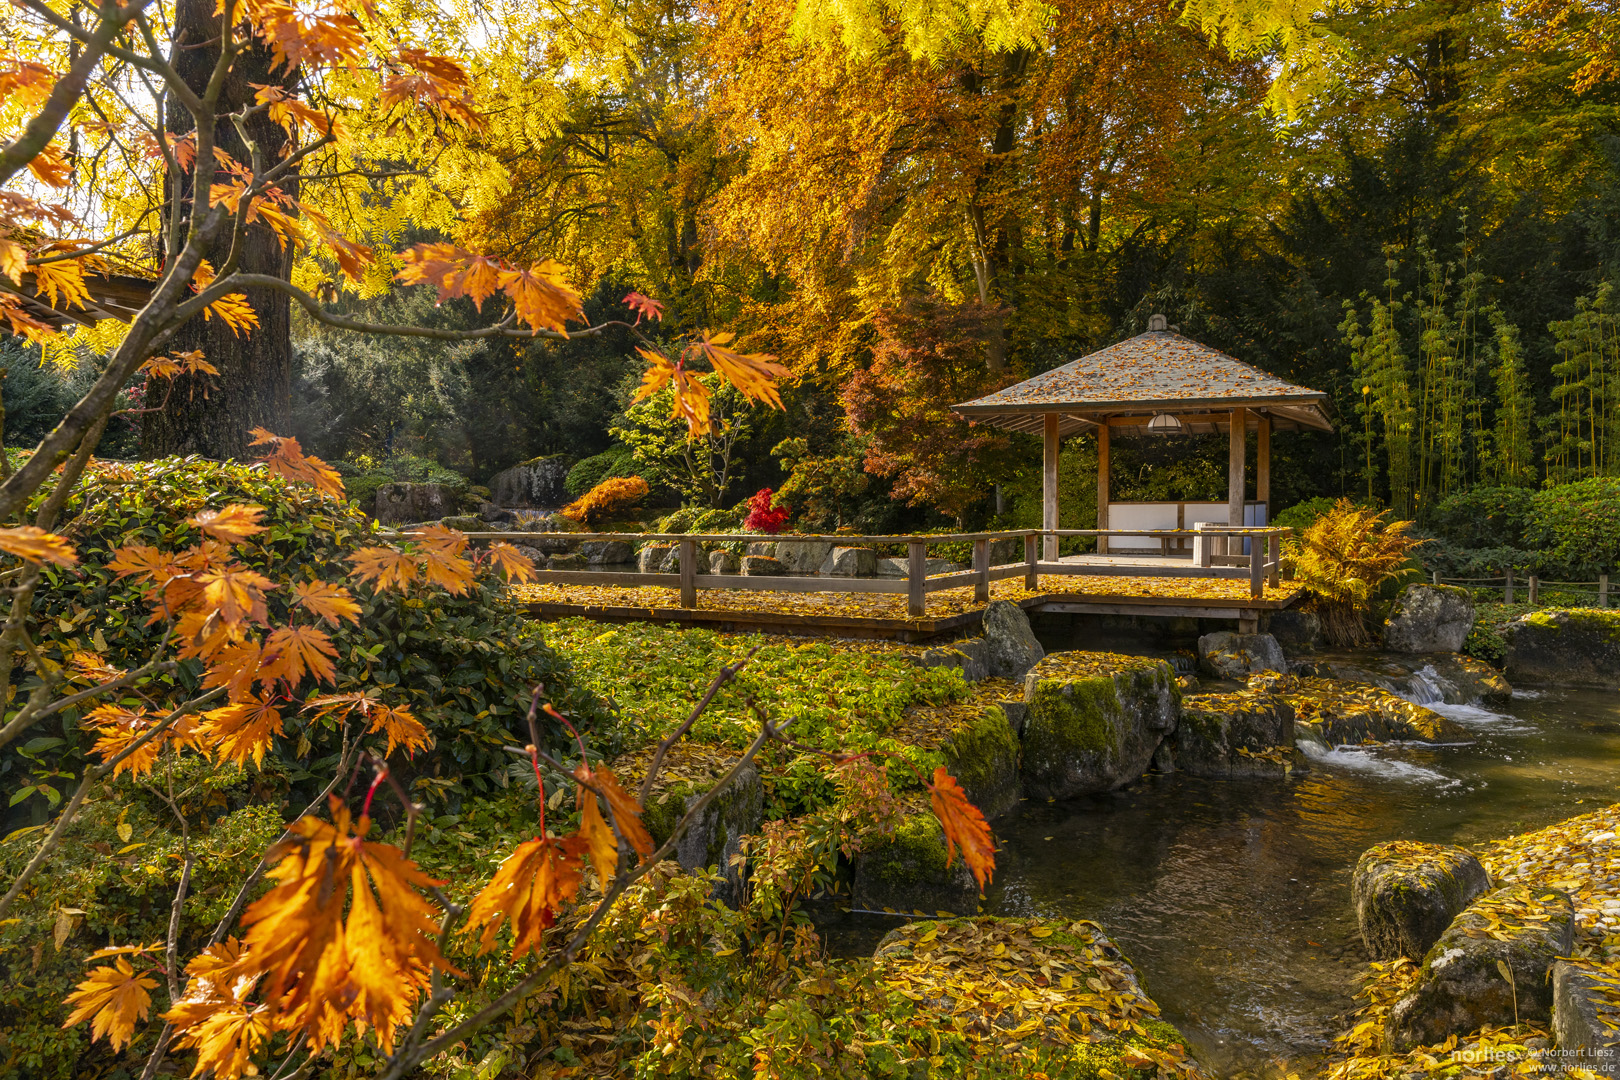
1156,384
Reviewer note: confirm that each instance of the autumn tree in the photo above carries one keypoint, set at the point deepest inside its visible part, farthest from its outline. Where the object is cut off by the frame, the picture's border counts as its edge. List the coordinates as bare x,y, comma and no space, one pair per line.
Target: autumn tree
351,939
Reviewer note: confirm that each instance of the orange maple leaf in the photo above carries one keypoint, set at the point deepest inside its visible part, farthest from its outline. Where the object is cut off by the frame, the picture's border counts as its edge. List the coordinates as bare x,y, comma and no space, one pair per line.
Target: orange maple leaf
35,545
398,723
142,560
602,845
754,374
232,525
542,298
116,997
321,965
327,601
528,890
241,730
626,809
287,460
511,562
118,726
388,567
964,825
292,650
236,592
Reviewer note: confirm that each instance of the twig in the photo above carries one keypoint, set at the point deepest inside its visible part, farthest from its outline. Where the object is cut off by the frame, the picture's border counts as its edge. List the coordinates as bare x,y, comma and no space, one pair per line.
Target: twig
725,675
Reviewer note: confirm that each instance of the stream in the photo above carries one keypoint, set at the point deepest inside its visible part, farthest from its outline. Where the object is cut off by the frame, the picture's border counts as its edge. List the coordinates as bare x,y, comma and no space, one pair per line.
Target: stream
1232,898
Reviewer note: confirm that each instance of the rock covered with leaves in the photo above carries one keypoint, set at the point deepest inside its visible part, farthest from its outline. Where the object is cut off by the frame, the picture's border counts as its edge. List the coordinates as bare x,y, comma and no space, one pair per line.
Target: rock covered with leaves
1231,736
1580,647
1349,714
1490,967
1094,720
1429,619
1586,1015
1406,895
1016,986
1452,678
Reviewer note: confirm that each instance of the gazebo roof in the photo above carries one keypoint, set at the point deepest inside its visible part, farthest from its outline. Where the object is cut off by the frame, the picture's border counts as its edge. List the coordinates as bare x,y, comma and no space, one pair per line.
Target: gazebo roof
1156,372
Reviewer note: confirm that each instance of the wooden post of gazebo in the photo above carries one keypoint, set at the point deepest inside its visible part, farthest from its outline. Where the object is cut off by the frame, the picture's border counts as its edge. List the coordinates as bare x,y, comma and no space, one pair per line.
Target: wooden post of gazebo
1049,483
1235,441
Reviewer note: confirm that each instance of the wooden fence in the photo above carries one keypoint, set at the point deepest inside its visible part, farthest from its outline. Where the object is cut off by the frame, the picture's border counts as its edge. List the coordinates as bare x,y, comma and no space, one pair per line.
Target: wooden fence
1530,586
1262,565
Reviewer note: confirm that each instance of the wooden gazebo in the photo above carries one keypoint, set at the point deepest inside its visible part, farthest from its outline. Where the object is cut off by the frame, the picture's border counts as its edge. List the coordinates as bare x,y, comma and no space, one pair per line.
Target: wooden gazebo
1155,383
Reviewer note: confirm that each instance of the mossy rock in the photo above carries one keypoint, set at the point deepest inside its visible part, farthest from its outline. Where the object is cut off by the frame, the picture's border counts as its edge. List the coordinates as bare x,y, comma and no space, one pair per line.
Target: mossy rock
999,973
1577,647
1406,894
690,772
906,871
1453,678
1230,736
1094,720
976,743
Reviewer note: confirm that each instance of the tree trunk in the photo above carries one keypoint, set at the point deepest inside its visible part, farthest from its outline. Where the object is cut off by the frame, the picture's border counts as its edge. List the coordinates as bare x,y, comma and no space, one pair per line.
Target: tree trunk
203,414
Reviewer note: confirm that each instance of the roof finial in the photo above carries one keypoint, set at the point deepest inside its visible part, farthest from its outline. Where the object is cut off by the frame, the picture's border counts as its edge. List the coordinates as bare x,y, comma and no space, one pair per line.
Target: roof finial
1157,323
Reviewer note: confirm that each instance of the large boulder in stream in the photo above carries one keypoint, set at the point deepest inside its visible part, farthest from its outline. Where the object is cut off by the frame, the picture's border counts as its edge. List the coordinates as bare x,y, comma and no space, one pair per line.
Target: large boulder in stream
1020,989
1429,619
1093,721
1406,894
1231,736
1586,1016
1448,678
1226,655
1461,988
1567,648
1349,714
1011,643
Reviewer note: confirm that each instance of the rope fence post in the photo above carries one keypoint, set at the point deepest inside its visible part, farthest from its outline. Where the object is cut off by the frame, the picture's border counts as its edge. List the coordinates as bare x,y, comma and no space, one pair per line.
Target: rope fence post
1507,586
1535,597
1603,590
1437,577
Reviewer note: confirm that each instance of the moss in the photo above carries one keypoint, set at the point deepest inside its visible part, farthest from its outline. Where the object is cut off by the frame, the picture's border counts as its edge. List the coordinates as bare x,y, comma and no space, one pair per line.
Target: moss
983,755
1595,621
913,855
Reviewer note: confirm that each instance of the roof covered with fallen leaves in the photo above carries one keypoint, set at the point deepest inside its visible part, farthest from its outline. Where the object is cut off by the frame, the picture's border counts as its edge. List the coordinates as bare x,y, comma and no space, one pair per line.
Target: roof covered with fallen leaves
1159,371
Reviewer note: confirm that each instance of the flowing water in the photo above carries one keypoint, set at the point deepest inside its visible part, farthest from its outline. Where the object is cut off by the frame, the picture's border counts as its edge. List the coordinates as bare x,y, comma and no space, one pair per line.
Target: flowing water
1232,898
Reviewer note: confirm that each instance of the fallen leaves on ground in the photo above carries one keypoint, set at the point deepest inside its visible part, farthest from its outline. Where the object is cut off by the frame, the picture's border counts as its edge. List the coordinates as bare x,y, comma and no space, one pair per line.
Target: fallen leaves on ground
1024,981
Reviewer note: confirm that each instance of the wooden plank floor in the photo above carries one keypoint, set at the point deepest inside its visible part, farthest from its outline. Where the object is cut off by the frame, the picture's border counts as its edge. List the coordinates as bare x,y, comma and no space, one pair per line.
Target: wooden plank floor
883,615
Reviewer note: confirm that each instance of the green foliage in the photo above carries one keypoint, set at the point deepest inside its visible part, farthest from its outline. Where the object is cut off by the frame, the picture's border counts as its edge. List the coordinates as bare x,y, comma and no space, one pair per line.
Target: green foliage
822,490
701,469
1577,526
1300,515
1484,517
588,472
465,665
841,696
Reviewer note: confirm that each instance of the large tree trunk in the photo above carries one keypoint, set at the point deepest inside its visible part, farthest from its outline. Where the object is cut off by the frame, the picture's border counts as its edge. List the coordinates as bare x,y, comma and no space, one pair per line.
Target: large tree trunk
207,415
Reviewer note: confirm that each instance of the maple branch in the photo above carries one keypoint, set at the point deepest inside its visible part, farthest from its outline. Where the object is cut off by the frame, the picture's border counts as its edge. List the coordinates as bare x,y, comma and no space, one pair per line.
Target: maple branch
25,719
312,307
725,675
91,776
409,1053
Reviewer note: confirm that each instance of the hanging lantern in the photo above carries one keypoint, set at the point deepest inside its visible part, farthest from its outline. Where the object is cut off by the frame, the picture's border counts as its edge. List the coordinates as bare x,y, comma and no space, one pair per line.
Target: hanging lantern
1164,424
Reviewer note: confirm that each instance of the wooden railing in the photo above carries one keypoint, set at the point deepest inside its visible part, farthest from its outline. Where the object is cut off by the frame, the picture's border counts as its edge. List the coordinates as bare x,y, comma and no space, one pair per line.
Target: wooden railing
1261,566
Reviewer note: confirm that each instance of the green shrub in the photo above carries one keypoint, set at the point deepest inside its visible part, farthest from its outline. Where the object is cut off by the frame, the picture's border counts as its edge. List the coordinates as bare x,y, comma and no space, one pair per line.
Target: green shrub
1577,526
1300,515
1484,517
465,665
587,473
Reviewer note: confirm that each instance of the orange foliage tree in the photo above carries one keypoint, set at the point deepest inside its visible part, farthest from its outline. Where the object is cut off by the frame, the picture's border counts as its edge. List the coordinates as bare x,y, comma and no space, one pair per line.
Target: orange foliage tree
350,940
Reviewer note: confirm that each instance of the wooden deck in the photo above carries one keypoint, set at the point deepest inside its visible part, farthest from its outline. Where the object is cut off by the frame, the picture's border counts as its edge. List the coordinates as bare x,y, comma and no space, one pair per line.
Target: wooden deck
884,615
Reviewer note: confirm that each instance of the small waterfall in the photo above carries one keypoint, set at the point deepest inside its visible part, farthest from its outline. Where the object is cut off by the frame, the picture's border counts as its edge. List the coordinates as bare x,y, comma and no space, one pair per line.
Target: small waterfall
1425,686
